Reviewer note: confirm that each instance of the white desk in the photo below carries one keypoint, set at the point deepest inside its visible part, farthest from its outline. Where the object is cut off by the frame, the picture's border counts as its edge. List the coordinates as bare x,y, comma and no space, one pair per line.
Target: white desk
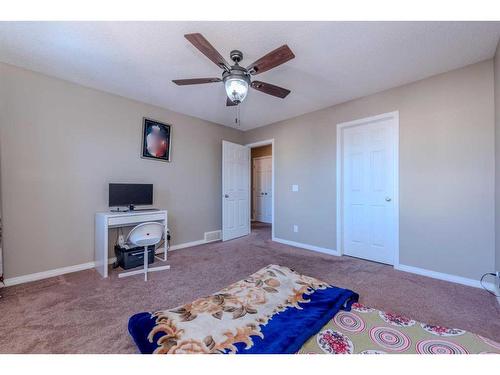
106,220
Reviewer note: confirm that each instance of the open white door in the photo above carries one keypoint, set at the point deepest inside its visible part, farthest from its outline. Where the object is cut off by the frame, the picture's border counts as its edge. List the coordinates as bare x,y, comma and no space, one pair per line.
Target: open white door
235,190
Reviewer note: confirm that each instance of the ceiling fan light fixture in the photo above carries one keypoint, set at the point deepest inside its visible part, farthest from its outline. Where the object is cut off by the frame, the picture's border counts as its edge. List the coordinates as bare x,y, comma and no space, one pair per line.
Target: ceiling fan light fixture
236,88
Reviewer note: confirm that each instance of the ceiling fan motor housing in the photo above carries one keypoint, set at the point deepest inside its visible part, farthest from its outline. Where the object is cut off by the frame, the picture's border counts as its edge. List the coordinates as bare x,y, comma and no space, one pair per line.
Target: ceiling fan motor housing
236,72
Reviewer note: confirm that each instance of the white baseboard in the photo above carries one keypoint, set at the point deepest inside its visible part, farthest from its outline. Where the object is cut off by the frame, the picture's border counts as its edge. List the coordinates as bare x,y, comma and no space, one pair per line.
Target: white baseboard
445,276
189,244
80,267
401,267
323,250
46,274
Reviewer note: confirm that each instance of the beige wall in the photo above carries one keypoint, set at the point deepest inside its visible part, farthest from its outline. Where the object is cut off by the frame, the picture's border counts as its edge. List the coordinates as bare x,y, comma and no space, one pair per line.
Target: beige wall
497,156
446,170
61,144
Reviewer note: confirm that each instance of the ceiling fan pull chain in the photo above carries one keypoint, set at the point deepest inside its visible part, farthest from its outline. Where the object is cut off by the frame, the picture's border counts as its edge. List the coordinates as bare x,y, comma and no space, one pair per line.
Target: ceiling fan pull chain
237,119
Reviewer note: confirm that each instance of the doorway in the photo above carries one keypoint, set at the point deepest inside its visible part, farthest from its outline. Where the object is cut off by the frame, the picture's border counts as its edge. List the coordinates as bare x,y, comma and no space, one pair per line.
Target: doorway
367,188
237,190
262,185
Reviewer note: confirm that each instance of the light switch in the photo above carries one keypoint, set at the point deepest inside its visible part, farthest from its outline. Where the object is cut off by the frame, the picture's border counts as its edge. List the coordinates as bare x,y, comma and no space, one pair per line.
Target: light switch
295,187
295,228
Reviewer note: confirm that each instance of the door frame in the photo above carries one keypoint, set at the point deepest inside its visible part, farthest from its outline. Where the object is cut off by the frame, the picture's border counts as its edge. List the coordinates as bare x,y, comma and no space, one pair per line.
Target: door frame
252,169
394,116
273,163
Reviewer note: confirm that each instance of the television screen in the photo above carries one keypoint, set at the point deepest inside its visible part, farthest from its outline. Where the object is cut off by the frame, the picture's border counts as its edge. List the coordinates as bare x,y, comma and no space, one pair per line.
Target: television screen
130,194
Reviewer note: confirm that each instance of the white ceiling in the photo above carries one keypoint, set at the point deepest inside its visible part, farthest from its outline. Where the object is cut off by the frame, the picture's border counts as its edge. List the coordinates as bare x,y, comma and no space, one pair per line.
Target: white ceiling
335,61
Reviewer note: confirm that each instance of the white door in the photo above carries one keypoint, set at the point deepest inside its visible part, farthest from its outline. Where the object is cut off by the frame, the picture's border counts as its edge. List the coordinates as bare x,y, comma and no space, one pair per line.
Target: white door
262,189
235,190
368,186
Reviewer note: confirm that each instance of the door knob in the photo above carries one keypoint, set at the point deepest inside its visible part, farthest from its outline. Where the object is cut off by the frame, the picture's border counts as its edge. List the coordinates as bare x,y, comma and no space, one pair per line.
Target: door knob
265,193
226,195
387,199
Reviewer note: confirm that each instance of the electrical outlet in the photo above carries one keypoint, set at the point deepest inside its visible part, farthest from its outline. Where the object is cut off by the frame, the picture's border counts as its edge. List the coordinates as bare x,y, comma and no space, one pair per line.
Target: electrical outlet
295,228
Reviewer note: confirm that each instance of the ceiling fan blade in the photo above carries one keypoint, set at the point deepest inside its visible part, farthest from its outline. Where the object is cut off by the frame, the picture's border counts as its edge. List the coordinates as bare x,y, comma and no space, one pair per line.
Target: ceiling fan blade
273,90
230,103
207,49
272,59
195,81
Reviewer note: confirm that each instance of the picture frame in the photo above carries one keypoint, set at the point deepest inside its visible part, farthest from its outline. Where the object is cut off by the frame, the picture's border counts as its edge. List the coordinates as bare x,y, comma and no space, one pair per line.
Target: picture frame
156,140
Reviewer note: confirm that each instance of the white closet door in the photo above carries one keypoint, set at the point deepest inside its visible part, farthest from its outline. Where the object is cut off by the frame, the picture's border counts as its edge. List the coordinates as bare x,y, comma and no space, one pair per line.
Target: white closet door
368,190
262,189
235,190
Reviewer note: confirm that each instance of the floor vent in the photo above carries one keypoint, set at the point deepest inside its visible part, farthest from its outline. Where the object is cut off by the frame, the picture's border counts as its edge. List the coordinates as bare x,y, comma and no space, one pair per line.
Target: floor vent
213,236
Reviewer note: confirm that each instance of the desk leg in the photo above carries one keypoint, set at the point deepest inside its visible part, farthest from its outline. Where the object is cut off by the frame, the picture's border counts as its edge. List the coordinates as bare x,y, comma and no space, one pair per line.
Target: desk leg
101,246
165,243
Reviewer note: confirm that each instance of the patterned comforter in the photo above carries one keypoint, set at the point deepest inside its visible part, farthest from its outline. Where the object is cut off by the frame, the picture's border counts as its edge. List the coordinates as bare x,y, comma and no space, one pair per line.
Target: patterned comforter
364,330
275,310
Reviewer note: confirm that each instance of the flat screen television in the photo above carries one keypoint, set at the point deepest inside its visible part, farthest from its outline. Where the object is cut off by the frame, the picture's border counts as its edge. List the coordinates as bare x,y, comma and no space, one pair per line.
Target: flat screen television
130,195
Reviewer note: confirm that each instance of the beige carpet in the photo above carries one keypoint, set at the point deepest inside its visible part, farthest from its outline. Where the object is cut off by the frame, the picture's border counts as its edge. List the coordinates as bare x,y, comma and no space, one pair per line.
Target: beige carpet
82,313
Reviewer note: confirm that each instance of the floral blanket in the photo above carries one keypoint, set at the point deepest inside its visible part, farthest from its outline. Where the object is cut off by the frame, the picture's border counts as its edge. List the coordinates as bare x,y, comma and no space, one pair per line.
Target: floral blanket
275,310
364,330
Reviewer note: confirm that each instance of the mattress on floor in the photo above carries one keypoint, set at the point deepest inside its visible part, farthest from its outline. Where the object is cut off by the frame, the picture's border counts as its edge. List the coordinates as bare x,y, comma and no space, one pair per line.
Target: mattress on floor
369,331
275,310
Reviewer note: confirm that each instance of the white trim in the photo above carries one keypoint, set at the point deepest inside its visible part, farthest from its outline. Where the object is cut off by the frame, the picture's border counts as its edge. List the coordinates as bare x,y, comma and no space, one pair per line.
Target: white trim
46,274
364,121
319,249
84,266
444,276
262,157
273,161
190,244
50,273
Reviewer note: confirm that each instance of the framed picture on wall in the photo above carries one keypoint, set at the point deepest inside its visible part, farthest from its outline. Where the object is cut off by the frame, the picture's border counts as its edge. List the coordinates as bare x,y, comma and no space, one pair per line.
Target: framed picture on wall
156,140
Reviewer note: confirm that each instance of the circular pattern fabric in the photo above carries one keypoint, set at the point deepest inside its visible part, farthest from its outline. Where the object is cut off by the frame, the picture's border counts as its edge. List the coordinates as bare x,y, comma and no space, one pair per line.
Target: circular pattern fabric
373,351
442,331
439,347
349,321
333,342
396,320
490,342
390,338
361,308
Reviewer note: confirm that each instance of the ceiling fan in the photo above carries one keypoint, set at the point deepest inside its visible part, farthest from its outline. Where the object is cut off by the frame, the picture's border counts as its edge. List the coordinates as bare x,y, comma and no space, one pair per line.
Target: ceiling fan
235,77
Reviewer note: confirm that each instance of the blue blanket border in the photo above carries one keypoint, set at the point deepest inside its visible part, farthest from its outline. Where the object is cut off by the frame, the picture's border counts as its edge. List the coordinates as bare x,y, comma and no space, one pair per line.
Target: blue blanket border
287,331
